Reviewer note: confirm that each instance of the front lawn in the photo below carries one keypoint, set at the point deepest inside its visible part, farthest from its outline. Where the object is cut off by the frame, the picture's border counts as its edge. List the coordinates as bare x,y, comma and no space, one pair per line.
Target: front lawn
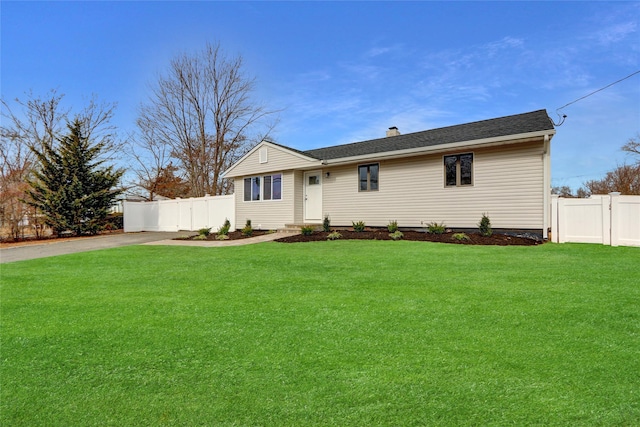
329,333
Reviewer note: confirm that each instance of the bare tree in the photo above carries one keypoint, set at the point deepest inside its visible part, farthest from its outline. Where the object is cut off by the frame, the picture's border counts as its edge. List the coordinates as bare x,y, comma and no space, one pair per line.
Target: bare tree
563,191
633,146
150,158
625,179
201,109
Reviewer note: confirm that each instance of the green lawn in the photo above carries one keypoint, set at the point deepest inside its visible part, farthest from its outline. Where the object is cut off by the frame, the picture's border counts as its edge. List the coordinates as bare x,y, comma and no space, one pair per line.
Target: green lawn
331,333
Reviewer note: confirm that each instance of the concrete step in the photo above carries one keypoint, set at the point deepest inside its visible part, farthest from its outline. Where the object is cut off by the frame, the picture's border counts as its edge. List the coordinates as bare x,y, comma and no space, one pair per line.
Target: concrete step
295,228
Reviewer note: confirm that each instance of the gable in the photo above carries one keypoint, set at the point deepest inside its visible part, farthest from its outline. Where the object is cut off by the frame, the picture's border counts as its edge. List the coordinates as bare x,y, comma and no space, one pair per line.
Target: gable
269,157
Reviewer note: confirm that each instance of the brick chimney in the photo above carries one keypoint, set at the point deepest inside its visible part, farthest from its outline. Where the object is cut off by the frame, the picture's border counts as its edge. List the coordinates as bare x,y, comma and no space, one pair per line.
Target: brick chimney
393,131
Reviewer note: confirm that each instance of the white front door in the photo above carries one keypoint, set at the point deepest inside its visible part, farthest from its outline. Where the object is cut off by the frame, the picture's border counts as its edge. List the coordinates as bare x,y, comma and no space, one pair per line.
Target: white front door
313,196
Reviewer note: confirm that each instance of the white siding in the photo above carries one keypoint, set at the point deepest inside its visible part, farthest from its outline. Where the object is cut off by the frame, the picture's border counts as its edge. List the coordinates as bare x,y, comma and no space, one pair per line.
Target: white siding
277,159
507,185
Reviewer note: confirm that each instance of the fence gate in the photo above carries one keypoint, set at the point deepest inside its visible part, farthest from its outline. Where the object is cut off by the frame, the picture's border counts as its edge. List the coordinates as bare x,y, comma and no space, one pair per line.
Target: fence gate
609,219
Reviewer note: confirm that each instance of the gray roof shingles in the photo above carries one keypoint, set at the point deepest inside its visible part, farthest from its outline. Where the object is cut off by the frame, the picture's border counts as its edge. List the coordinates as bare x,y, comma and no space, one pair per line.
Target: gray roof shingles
533,121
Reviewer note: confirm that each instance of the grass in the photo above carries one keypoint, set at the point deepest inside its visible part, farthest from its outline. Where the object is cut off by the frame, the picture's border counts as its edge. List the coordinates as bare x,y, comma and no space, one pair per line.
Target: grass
328,333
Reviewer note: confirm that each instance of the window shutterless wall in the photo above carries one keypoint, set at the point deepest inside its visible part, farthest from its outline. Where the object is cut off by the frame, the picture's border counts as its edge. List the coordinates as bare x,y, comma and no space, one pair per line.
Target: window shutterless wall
267,214
507,184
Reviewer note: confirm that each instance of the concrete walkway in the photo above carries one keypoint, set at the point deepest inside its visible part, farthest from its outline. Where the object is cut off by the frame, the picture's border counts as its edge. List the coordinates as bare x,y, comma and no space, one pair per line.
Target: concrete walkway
50,248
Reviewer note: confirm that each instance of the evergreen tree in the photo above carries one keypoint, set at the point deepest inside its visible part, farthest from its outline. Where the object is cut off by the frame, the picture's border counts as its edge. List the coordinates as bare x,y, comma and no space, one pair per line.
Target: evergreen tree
72,189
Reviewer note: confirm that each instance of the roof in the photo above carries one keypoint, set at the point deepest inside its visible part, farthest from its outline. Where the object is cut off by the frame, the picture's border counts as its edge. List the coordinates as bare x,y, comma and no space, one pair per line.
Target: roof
534,121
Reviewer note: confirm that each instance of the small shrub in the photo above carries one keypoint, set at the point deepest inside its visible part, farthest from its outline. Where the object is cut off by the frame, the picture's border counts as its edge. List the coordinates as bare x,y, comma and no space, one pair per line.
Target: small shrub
435,228
222,237
247,230
334,236
115,221
358,226
224,230
460,236
485,226
200,237
204,232
307,230
326,224
396,235
393,226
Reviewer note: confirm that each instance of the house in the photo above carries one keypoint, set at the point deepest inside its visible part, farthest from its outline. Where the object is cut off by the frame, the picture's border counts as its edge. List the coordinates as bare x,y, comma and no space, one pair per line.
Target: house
450,175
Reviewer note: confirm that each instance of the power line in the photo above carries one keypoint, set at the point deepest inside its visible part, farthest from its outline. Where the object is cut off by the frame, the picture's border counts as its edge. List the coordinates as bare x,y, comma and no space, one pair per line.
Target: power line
564,116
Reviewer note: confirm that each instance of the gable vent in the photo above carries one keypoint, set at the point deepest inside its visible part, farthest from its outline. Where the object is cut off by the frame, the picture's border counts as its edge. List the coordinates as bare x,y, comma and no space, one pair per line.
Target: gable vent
393,131
263,155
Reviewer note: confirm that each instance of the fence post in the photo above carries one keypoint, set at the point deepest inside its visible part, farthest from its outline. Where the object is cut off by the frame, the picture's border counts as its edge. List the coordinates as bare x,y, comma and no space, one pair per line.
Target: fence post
614,220
554,218
562,223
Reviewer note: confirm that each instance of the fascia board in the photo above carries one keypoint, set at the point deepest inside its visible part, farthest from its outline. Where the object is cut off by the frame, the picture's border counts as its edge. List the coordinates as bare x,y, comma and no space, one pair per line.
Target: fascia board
225,174
476,143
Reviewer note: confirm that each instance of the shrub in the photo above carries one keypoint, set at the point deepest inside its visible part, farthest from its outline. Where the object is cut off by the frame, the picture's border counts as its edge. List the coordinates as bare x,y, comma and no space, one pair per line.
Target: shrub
334,236
460,236
200,237
485,226
224,230
393,226
204,232
358,226
307,230
247,230
396,235
326,224
435,228
115,221
222,237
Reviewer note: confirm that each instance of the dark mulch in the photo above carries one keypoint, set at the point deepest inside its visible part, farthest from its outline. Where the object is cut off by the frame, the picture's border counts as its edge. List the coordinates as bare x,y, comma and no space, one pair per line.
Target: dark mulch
474,238
233,235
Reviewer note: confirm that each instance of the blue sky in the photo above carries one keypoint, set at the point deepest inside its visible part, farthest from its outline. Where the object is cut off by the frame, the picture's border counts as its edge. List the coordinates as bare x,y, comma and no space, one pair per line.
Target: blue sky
346,71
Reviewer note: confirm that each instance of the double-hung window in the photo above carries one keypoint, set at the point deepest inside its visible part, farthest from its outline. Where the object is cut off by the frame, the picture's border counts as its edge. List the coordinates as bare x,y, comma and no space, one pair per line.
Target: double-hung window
458,170
265,187
368,177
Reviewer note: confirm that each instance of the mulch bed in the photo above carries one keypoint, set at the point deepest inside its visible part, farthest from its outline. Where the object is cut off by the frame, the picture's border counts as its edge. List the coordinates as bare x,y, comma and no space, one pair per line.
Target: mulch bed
233,235
474,238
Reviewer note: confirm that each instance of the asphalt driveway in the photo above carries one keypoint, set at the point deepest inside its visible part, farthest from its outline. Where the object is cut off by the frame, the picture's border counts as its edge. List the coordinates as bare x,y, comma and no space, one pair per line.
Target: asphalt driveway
54,248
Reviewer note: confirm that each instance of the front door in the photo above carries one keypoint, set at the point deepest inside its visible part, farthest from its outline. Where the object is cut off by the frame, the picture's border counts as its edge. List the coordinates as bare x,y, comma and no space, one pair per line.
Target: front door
313,196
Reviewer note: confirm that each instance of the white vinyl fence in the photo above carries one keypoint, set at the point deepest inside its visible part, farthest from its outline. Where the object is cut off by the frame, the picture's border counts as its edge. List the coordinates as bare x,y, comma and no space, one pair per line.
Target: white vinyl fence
179,214
609,219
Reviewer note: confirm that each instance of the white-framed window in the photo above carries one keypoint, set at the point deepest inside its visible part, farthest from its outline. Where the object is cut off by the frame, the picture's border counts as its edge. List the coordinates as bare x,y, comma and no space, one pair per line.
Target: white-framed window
368,177
458,170
264,187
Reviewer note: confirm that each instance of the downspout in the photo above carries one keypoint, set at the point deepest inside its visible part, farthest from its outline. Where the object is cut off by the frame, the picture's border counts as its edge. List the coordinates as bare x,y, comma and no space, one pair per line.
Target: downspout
546,161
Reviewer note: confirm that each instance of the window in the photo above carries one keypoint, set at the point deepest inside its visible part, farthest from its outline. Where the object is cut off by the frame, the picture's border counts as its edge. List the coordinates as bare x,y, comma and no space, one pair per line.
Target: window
368,177
458,170
267,187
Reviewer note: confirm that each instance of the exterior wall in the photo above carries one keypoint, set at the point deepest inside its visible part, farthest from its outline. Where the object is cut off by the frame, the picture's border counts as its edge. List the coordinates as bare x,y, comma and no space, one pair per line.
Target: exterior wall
278,159
267,214
298,216
508,185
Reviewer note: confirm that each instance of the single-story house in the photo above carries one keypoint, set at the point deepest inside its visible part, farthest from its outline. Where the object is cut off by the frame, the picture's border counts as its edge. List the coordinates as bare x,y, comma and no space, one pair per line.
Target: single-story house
451,175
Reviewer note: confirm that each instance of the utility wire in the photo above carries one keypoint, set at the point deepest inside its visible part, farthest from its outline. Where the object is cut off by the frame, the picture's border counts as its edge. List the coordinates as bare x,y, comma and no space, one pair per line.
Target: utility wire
594,92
